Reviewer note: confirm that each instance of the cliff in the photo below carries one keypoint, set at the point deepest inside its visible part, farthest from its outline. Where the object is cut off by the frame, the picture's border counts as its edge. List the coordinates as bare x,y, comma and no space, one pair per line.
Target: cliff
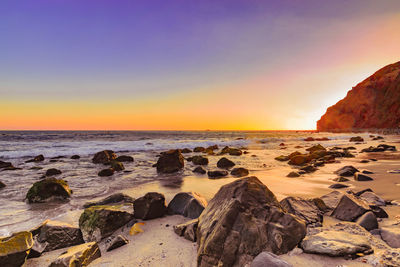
372,104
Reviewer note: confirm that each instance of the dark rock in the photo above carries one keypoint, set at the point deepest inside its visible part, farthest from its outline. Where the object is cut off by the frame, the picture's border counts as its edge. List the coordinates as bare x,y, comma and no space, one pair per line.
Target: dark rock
104,157
361,177
117,166
150,206
338,186
124,159
305,209
171,161
52,172
315,148
231,151
98,222
188,204
282,144
47,189
216,174
200,170
117,242
367,172
391,235
80,255
14,249
113,199
225,163
106,172
243,219
364,161
4,164
2,185
378,211
359,193
268,259
356,139
346,171
240,172
75,157
372,199
282,158
368,221
309,139
299,160
199,160
340,179
187,229
308,169
199,149
350,208
293,174
332,199
36,159
186,150
37,249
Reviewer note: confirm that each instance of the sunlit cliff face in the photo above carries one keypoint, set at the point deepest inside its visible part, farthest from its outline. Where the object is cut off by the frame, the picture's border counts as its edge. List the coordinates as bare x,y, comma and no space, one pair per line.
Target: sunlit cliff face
239,65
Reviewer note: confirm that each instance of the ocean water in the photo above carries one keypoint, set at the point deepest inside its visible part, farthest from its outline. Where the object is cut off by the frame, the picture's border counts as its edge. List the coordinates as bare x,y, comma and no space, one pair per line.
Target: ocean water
144,146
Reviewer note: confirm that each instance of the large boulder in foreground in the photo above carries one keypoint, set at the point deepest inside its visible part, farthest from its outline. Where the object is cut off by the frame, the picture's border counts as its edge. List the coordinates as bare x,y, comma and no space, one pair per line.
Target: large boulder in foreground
150,206
14,249
104,157
188,204
98,222
80,255
350,208
243,219
48,189
373,103
170,161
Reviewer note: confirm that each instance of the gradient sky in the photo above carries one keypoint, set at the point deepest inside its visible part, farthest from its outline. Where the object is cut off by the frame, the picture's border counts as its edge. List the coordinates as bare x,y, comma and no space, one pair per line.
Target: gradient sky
186,65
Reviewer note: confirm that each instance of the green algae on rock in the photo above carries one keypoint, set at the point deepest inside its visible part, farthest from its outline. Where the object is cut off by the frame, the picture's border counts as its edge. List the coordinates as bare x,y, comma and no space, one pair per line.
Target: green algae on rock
49,188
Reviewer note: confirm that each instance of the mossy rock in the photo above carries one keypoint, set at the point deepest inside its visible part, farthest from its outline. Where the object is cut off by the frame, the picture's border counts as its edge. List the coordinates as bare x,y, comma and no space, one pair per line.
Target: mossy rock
98,222
15,249
49,188
117,166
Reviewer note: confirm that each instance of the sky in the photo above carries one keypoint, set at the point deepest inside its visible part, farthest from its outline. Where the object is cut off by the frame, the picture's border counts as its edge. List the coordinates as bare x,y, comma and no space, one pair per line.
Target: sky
186,65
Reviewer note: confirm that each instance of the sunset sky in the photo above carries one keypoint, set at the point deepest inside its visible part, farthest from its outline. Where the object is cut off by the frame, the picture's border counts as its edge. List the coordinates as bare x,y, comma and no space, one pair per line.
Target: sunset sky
186,65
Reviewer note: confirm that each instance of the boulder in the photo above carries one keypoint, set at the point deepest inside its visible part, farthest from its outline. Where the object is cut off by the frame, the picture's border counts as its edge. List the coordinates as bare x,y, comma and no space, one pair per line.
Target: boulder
356,139
106,172
80,255
150,206
117,166
225,163
187,229
293,174
188,204
52,172
373,199
299,160
54,235
282,158
199,160
350,208
235,152
117,242
199,149
36,159
268,259
2,185
216,174
4,164
243,219
338,186
117,198
368,221
104,157
378,211
48,189
358,176
240,172
170,161
200,170
305,209
15,249
315,148
124,159
75,157
98,222
391,235
346,171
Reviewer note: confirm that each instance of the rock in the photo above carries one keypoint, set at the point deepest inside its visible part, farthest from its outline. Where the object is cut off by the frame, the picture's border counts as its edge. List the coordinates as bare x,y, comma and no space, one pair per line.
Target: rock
231,151
124,159
14,249
391,235
346,171
373,199
199,149
332,199
4,164
106,172
117,242
335,243
356,139
282,158
199,160
75,157
338,186
340,179
150,206
367,172
188,204
305,209
104,157
98,222
200,170
52,172
186,150
316,148
368,221
117,166
268,259
282,144
240,172
37,249
299,160
187,229
170,161
293,174
48,189
80,255
308,168
350,208
361,177
217,174
54,235
36,159
309,139
364,161
243,219
2,185
378,211
225,163
113,199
